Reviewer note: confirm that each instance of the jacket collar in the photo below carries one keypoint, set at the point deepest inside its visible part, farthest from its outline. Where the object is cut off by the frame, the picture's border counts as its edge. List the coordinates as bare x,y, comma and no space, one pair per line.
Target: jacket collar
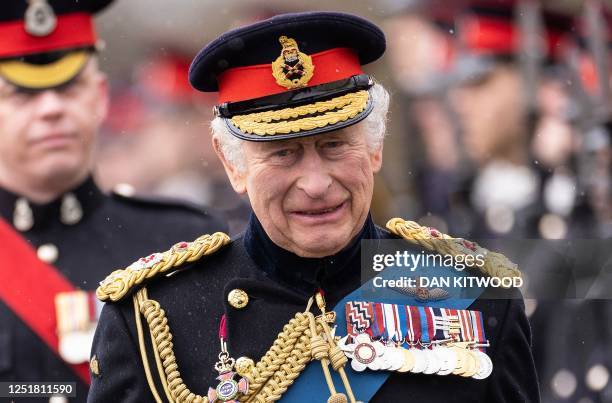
305,274
87,195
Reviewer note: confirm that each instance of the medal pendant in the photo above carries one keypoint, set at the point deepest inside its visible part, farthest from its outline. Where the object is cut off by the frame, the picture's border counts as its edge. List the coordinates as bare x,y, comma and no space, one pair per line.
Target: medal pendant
448,360
228,389
365,353
433,364
408,360
394,357
461,365
420,361
472,366
486,365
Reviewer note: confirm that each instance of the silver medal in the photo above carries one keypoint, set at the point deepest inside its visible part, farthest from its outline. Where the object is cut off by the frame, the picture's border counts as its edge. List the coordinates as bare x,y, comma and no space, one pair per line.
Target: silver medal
364,352
433,364
74,347
486,365
448,360
394,357
420,361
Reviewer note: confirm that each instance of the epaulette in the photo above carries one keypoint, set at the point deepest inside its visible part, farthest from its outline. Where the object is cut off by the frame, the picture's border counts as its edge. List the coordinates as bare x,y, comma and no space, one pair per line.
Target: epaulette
122,282
495,264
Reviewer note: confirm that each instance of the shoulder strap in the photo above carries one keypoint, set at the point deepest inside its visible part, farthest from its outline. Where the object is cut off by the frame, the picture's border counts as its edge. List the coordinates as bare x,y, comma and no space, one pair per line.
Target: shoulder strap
122,282
29,287
495,265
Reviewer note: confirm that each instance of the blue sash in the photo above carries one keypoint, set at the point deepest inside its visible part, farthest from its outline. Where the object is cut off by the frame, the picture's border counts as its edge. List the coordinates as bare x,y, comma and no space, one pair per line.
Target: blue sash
310,386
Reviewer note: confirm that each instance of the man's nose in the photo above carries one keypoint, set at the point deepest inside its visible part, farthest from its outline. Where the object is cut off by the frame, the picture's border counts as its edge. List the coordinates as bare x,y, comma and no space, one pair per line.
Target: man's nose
462,100
50,104
315,180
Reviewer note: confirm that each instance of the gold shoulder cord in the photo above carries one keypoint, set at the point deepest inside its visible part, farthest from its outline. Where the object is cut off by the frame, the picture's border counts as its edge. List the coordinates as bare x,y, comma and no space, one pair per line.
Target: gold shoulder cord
119,283
303,339
495,265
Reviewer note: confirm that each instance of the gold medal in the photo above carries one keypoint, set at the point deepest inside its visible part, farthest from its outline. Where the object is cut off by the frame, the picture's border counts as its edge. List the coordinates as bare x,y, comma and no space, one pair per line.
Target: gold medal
461,366
408,360
472,365
420,361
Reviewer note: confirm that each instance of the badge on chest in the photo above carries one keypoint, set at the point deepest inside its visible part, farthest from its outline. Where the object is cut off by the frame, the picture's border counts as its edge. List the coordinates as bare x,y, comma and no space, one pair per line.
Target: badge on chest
402,338
77,314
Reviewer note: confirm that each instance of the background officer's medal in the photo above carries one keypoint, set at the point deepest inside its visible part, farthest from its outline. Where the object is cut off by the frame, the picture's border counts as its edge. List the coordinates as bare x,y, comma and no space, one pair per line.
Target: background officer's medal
77,314
40,19
292,69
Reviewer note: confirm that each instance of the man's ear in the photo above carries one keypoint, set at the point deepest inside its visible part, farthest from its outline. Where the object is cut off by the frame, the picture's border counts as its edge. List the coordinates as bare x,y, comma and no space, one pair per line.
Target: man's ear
376,159
236,177
103,97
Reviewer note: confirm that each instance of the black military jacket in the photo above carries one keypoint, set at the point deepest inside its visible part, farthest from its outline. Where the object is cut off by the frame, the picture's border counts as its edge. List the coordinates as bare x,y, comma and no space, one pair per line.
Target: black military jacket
279,284
113,232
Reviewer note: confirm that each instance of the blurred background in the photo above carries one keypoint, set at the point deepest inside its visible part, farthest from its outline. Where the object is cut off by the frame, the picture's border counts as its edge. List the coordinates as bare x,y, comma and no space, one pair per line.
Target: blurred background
500,128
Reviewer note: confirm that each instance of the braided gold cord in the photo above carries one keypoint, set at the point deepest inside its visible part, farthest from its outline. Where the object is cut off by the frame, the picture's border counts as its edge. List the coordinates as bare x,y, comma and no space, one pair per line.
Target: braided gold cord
120,282
282,363
163,349
272,375
495,265
295,119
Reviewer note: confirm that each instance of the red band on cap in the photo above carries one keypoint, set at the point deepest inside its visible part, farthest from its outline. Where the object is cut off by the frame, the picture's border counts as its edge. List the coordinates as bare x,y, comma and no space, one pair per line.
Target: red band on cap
490,35
242,83
72,31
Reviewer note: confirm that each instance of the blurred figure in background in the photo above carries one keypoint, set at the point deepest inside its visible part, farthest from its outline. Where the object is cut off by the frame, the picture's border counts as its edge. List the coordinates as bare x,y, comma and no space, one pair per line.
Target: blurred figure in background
59,233
573,337
420,52
525,156
493,111
160,115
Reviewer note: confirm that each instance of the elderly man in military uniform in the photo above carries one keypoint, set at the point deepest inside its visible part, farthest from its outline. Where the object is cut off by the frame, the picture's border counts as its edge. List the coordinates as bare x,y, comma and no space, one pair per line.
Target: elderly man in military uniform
60,234
279,312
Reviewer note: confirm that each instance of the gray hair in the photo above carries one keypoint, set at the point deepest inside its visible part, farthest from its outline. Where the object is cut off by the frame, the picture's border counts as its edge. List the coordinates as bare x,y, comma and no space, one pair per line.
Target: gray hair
375,128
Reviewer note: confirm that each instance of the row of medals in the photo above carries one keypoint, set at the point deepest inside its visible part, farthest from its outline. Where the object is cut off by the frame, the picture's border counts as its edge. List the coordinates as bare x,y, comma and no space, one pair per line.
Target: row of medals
450,357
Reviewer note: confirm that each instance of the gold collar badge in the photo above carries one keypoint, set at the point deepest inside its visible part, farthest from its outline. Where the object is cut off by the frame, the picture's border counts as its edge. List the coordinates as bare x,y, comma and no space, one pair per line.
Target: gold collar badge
292,69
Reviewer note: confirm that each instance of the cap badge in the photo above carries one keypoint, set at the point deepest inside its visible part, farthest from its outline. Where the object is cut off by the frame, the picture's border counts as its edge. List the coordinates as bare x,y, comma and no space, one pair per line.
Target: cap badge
40,19
292,69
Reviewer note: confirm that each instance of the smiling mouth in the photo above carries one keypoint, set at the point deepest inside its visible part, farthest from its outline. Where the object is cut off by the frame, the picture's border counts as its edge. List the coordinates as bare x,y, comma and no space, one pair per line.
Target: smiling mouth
320,212
53,137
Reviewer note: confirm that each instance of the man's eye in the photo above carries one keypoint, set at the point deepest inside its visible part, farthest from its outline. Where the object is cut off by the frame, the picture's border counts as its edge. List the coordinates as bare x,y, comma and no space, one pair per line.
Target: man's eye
333,144
283,153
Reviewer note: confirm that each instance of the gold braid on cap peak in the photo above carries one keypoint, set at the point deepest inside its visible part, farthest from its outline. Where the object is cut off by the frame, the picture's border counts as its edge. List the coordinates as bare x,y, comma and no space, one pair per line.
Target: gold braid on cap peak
495,264
120,282
304,117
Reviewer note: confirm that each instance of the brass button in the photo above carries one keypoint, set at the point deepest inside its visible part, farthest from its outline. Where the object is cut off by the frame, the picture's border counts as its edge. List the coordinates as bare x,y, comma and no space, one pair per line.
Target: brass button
94,366
238,298
48,253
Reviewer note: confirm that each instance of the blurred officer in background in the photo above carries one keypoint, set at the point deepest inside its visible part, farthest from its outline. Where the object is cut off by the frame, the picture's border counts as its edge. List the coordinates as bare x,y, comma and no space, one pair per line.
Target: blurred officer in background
159,110
572,337
493,114
59,234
